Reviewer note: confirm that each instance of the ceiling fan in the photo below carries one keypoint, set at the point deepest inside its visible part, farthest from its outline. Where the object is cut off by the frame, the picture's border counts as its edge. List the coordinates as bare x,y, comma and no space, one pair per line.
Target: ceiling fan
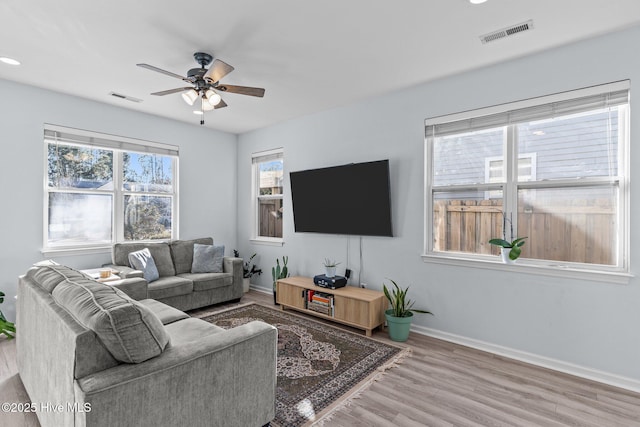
205,84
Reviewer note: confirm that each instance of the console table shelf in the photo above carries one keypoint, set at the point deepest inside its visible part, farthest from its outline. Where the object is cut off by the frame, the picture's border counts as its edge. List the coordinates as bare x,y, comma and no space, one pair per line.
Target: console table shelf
357,307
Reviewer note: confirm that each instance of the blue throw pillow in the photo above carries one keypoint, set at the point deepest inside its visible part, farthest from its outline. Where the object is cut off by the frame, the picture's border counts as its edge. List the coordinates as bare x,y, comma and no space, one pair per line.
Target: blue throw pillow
143,261
207,258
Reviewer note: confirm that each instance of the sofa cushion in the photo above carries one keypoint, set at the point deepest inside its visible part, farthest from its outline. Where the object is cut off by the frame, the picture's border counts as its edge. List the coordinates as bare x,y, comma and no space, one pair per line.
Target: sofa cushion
207,258
128,329
207,281
164,312
189,330
50,276
143,261
159,251
166,287
182,253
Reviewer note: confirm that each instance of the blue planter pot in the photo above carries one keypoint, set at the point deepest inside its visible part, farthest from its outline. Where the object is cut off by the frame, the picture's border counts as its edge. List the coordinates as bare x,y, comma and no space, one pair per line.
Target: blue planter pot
399,327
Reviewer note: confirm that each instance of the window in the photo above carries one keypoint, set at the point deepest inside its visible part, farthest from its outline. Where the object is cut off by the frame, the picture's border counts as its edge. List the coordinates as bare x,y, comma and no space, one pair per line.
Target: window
102,189
268,176
553,169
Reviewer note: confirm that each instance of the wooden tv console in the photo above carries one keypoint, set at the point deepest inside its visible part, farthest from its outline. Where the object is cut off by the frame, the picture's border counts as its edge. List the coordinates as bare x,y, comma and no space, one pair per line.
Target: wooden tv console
357,307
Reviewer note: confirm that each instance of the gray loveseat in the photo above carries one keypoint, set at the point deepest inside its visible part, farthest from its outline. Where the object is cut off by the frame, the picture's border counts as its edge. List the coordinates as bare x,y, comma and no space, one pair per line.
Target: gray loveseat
97,357
177,286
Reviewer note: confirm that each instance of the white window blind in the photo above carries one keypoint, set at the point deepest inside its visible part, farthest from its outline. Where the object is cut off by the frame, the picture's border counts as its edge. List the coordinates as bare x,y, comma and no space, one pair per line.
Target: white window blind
546,107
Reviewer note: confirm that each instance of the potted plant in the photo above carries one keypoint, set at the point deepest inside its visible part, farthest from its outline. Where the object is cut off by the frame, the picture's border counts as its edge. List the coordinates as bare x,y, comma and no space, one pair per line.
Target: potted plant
7,328
278,273
400,315
509,250
330,267
248,270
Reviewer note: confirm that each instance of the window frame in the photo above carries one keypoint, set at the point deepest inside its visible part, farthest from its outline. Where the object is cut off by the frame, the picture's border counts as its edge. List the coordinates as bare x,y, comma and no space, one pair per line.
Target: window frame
256,159
619,273
118,145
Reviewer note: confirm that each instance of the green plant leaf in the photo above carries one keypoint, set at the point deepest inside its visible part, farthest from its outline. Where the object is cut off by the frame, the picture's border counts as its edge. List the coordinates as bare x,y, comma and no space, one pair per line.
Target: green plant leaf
500,242
515,252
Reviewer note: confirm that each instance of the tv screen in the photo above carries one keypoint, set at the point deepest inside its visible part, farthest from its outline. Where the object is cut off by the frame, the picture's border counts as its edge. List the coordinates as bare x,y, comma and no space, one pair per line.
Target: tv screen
350,199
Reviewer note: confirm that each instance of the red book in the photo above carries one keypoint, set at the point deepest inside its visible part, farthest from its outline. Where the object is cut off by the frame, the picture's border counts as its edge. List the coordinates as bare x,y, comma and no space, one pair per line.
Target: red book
310,294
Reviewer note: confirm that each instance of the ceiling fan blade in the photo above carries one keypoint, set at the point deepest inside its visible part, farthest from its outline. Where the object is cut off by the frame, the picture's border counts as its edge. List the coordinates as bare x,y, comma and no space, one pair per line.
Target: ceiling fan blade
242,90
170,91
160,70
218,70
220,104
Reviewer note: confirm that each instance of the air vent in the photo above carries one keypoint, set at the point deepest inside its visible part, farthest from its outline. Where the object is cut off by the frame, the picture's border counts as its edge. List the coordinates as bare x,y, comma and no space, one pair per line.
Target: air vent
128,98
506,32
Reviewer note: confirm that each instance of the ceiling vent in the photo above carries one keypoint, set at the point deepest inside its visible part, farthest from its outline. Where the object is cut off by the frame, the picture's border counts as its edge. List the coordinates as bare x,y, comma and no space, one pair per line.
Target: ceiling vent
128,98
506,32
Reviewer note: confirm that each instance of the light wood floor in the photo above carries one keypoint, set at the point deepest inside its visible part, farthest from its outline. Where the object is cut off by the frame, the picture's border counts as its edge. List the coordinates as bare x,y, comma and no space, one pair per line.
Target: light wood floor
441,384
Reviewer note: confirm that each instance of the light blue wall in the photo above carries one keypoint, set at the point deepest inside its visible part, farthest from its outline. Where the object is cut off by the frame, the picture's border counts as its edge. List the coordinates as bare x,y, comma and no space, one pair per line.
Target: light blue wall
206,173
590,324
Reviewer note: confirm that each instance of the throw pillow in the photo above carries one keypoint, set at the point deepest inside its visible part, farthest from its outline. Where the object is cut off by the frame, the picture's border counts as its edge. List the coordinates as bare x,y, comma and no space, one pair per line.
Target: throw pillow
143,261
207,258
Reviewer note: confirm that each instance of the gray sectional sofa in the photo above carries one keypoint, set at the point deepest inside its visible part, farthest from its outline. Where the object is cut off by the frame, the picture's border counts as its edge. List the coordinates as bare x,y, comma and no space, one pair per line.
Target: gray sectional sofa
100,358
177,286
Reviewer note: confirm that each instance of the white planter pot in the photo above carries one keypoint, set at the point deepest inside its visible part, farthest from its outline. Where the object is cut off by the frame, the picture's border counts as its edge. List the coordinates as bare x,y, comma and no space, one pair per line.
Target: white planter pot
330,271
504,252
246,282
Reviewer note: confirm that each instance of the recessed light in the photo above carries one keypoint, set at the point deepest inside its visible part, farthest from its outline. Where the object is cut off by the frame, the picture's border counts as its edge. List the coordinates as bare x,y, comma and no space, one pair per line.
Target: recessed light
477,1
9,61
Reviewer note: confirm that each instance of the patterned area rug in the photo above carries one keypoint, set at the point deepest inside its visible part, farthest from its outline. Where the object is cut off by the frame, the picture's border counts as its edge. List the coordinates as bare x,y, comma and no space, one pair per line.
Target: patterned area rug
317,364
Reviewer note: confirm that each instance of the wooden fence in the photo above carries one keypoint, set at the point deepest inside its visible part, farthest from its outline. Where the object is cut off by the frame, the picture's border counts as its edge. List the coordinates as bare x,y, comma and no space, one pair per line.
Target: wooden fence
270,218
575,231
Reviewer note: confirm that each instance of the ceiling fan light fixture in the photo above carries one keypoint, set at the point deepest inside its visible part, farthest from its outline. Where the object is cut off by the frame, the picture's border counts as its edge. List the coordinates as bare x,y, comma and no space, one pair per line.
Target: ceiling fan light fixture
190,96
212,97
206,106
198,112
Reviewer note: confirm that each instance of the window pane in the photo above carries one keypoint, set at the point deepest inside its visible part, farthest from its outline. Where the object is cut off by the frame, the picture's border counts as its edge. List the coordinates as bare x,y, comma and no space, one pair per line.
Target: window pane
271,174
270,217
79,167
78,219
147,217
576,146
147,173
464,222
461,159
581,228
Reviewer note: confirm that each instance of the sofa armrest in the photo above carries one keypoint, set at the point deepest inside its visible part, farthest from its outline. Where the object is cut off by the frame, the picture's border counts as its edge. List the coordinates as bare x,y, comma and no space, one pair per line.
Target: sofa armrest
134,287
229,376
125,271
234,266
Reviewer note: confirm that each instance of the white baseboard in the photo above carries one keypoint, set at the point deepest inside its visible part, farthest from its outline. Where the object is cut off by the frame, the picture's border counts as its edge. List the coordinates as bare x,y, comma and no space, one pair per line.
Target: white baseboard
263,290
534,359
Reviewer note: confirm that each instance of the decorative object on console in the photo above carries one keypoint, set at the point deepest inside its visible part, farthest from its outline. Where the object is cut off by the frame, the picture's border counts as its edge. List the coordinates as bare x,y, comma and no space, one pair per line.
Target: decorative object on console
207,258
143,261
330,267
400,314
279,273
7,328
317,364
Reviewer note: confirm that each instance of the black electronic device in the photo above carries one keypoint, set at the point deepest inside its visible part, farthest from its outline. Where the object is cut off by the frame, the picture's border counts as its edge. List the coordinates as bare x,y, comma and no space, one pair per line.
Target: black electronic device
330,282
359,194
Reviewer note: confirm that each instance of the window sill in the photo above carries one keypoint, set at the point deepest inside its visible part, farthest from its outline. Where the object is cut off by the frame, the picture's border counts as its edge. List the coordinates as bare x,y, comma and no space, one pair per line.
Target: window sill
528,267
55,252
267,241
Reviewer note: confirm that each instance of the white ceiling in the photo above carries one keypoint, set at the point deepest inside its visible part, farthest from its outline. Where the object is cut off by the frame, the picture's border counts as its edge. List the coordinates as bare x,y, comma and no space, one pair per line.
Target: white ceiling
309,55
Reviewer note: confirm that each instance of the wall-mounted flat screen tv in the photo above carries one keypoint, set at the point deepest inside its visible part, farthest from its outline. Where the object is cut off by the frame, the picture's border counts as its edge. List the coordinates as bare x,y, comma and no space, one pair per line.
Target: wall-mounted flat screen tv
352,199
